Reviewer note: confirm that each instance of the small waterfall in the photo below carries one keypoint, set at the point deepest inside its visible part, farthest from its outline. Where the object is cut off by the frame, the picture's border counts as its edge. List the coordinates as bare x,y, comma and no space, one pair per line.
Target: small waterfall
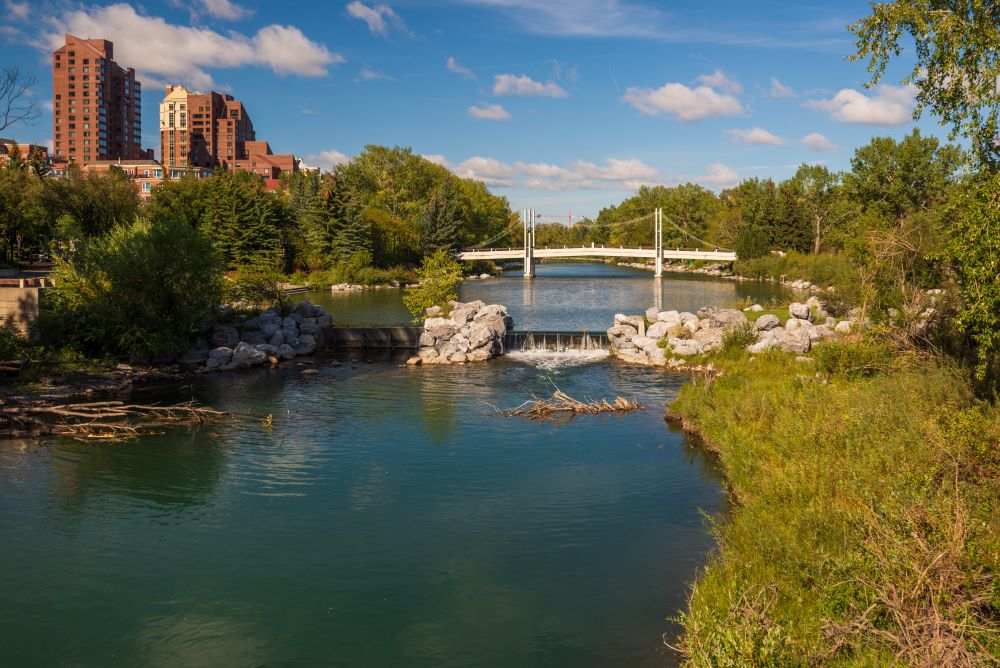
552,350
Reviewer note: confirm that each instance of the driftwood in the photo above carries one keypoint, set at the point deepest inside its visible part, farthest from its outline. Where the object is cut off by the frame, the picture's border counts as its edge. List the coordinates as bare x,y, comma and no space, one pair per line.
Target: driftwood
561,404
112,420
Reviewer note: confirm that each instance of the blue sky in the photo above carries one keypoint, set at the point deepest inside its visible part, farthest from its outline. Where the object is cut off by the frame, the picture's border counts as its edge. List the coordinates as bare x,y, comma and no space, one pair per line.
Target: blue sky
560,105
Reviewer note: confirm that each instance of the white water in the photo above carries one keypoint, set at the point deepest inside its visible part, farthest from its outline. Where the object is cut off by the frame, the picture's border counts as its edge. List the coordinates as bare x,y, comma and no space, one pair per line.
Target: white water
552,359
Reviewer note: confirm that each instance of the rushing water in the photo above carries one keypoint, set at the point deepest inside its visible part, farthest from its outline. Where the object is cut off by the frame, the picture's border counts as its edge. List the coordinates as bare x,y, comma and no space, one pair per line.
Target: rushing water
388,517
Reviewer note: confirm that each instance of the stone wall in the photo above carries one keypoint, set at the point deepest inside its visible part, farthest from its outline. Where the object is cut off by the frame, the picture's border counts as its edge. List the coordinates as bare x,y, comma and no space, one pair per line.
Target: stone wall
21,306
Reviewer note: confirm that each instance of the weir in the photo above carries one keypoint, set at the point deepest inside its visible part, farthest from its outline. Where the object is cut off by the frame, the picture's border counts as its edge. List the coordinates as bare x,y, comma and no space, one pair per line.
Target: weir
555,341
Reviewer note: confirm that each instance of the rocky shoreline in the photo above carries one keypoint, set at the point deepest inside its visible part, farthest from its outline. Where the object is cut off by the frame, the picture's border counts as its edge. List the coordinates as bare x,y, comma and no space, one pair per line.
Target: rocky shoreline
666,338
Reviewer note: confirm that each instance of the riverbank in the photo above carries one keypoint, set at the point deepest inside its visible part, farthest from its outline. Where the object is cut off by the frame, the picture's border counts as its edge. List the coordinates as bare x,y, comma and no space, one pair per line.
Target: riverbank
865,530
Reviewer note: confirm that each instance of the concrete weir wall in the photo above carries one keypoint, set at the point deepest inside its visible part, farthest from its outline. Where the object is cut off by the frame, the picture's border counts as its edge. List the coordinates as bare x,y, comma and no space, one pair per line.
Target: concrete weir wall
20,305
373,337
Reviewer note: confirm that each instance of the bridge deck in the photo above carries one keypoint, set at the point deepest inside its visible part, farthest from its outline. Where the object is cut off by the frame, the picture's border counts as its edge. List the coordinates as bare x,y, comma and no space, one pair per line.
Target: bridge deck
598,251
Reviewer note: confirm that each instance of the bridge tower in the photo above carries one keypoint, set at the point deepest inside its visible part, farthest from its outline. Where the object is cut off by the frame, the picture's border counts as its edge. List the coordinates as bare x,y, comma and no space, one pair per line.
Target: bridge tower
528,222
658,222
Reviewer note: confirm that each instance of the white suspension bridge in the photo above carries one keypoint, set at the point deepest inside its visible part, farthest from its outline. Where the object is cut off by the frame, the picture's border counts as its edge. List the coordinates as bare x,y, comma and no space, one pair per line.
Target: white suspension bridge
529,252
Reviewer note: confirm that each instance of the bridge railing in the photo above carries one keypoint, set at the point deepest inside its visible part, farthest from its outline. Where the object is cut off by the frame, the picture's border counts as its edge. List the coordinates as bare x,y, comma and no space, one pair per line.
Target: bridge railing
594,247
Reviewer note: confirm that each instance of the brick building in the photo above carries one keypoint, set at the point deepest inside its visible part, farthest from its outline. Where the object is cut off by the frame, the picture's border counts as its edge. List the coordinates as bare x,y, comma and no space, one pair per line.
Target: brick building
96,104
147,174
25,150
209,130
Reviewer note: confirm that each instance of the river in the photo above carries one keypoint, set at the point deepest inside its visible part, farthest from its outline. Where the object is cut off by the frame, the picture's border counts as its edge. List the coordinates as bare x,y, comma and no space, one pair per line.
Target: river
387,517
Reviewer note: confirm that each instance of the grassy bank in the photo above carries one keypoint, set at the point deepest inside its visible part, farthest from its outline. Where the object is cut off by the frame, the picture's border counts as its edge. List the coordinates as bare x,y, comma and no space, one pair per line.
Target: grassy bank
866,525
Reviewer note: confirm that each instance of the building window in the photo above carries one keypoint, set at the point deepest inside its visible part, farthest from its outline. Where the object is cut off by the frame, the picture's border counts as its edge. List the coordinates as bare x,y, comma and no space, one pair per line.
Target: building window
145,186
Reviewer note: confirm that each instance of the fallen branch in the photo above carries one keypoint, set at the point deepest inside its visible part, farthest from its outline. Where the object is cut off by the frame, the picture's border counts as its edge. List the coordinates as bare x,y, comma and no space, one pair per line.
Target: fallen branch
563,404
100,419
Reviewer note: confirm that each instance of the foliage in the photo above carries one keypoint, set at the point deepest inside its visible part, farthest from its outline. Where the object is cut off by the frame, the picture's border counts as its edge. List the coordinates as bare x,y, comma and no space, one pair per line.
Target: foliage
185,199
12,344
140,289
244,222
441,221
957,65
439,276
976,261
751,243
258,284
864,532
738,337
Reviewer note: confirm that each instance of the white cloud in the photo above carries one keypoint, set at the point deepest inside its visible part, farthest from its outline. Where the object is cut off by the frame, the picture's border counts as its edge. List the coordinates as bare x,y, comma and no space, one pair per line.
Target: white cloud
508,84
225,9
327,160
616,174
17,10
47,105
891,105
818,142
453,66
163,51
686,104
591,18
718,174
379,18
719,81
490,171
490,112
779,89
755,136
436,158
368,74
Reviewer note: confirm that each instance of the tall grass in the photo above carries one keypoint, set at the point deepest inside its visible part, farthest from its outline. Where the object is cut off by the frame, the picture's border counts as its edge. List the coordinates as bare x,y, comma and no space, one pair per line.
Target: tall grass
825,269
867,518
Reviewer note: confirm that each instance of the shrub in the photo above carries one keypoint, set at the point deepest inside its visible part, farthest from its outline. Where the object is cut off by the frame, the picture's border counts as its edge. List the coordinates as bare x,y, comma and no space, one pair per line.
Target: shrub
738,337
854,358
439,276
12,345
751,243
140,289
257,284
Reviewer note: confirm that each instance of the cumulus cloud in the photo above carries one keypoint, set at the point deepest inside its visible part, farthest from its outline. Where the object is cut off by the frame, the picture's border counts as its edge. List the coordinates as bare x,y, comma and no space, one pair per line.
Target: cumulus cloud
17,10
779,89
890,105
489,112
453,66
684,103
379,18
818,142
436,158
718,174
615,174
509,84
719,81
327,160
160,51
490,171
755,136
225,9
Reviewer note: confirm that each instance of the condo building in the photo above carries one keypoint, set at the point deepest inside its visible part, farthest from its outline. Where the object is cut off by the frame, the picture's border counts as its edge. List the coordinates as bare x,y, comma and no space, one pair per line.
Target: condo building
96,104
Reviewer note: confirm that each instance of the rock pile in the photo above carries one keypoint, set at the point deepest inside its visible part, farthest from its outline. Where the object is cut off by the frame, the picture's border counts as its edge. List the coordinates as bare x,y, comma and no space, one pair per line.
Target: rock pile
265,339
673,334
471,332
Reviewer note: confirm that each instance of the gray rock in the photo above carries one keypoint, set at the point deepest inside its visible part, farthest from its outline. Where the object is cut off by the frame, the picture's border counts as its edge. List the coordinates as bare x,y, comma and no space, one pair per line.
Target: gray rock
223,336
630,320
767,322
491,311
756,308
658,329
843,327
668,316
443,332
796,341
620,336
434,312
267,349
708,338
480,335
800,311
253,337
325,321
247,355
765,343
219,357
431,323
308,326
285,352
277,338
685,347
459,358
726,317
268,328
652,313
427,340
251,323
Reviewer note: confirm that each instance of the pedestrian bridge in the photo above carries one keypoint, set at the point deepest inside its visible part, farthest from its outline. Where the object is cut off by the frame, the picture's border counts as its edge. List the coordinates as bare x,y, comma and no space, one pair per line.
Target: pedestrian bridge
528,252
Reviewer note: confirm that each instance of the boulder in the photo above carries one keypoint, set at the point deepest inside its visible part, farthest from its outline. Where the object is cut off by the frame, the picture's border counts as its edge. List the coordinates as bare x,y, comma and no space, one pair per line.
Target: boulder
435,312
285,352
267,349
668,316
767,322
652,313
219,357
306,345
427,354
658,329
246,355
253,337
685,347
435,321
814,302
765,343
709,339
800,311
756,308
843,327
269,328
426,340
726,317
414,361
620,336
491,311
796,341
196,354
308,326
443,332
459,358
480,335
277,338
223,336
630,320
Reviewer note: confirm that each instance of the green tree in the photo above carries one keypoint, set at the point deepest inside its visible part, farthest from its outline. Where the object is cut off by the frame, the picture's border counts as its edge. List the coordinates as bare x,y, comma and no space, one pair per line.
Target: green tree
97,201
441,223
141,289
439,276
751,243
956,44
243,220
184,199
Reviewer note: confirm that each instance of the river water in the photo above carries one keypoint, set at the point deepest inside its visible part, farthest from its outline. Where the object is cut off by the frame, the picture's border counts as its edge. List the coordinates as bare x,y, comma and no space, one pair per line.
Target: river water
388,516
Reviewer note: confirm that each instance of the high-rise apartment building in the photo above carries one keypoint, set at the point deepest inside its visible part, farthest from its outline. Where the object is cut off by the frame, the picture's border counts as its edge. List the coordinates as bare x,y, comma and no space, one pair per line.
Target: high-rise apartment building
203,129
96,104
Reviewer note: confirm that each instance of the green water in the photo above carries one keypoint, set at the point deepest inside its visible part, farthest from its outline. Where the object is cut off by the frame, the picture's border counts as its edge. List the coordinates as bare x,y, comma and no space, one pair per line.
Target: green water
388,518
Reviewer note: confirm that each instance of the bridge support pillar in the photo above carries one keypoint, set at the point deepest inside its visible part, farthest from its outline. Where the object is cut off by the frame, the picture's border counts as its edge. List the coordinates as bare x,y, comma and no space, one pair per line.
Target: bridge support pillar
528,221
658,218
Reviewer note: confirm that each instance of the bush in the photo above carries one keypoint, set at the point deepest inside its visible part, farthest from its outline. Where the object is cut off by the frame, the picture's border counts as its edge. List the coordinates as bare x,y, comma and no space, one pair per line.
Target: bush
854,358
257,285
439,276
751,243
738,337
12,345
141,289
